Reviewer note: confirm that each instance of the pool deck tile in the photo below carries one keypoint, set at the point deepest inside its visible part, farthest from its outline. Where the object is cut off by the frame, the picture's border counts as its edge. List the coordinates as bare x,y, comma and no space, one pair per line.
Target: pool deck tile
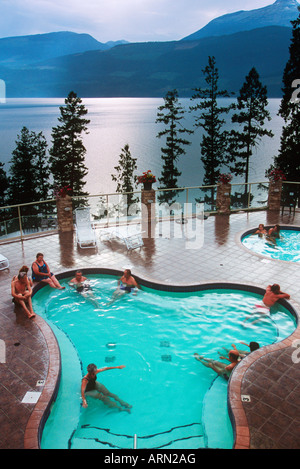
270,375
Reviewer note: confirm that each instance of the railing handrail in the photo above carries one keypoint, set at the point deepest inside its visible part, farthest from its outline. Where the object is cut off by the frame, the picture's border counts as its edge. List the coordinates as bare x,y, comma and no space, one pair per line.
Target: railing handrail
112,212
159,189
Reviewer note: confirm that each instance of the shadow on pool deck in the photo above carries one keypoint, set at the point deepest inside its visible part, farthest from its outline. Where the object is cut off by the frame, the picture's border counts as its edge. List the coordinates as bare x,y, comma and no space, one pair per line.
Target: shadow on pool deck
270,420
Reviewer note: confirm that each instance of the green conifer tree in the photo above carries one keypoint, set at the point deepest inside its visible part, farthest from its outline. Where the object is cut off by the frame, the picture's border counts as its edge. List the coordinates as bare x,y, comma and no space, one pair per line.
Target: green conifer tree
29,173
288,158
67,155
124,176
171,114
3,186
214,139
252,113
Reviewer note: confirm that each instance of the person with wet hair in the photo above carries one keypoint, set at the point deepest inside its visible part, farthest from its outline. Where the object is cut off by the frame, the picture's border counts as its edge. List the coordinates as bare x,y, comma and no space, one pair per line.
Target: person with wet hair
90,387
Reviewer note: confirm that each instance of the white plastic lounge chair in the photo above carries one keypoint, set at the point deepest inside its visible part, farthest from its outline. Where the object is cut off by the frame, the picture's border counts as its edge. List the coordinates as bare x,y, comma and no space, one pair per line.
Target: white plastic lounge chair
131,237
85,230
4,264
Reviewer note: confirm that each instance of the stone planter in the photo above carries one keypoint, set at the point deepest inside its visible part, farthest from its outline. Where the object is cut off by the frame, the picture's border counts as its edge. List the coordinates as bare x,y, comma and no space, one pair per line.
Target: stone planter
147,186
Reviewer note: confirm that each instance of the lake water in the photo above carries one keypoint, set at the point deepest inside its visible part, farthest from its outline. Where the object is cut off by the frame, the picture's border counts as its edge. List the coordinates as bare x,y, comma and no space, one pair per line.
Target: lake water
116,122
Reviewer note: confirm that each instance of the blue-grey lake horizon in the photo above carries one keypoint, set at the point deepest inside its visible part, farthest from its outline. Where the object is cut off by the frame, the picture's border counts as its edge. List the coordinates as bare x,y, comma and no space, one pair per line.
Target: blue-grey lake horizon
115,122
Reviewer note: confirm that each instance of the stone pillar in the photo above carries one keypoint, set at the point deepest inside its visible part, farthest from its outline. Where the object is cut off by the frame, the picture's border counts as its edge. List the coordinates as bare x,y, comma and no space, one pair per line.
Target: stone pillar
148,213
223,199
64,213
274,197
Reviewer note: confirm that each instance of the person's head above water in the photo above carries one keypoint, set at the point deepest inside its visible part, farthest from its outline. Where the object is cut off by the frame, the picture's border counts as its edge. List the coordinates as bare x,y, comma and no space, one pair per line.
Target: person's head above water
275,288
253,346
92,368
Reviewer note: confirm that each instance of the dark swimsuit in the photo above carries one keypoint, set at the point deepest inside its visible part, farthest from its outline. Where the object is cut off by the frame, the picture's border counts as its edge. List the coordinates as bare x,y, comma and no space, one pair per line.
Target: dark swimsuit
91,385
126,287
42,269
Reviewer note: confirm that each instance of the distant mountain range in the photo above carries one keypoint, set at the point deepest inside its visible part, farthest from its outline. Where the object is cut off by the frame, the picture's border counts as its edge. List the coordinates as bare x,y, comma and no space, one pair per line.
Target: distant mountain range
280,13
51,65
19,51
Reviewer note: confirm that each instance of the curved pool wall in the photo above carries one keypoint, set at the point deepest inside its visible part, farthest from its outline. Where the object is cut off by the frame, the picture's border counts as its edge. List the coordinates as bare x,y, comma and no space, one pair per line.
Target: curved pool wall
39,416
242,235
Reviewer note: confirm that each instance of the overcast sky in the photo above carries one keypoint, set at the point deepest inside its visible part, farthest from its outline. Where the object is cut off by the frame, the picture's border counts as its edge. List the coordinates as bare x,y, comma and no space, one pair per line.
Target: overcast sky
111,20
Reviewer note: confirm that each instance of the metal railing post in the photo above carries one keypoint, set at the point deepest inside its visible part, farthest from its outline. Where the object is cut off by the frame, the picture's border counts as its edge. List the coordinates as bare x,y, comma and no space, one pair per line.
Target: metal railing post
20,221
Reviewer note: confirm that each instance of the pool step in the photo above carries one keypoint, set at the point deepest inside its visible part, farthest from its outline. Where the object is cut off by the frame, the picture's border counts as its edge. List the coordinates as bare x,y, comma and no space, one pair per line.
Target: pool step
190,436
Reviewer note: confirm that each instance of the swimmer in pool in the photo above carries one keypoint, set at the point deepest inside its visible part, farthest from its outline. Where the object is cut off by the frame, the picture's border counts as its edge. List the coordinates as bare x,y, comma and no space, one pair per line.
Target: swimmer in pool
271,296
222,369
82,286
126,284
90,387
243,353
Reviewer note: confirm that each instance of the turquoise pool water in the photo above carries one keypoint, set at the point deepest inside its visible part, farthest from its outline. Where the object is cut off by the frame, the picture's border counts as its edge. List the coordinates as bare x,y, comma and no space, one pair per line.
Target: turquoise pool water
176,401
287,248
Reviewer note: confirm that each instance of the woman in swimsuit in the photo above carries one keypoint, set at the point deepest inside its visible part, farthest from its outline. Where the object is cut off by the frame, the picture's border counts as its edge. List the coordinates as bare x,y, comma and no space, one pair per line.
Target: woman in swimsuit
221,368
90,387
41,272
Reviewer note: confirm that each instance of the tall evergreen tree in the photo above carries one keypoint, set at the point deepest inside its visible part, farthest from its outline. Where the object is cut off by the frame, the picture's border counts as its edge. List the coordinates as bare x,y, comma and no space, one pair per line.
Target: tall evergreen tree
124,176
28,170
3,186
171,114
214,139
288,158
67,155
252,105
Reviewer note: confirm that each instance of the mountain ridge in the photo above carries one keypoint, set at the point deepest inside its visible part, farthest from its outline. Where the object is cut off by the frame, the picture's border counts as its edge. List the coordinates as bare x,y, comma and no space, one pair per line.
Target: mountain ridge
25,50
279,13
152,69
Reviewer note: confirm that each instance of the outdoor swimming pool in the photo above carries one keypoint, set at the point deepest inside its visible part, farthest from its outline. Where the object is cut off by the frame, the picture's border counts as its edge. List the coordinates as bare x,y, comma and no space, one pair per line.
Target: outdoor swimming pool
287,248
176,401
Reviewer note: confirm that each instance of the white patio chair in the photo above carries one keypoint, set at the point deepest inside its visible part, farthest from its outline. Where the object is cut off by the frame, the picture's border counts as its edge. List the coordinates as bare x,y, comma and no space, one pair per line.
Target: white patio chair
85,230
130,236
4,263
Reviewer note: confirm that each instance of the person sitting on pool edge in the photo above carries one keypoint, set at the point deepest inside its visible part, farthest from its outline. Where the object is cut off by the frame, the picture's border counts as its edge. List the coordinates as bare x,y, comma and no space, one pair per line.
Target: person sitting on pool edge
222,369
21,292
90,387
41,272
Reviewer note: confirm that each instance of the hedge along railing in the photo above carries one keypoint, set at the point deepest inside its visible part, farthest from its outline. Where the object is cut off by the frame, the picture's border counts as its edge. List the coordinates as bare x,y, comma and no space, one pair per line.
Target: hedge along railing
36,218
